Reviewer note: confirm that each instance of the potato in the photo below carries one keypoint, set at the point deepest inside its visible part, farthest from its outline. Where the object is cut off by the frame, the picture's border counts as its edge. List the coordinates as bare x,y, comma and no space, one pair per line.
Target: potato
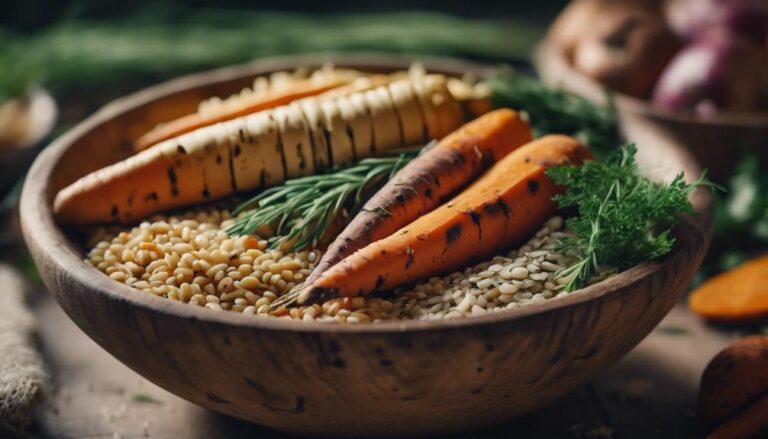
577,19
733,380
573,23
626,49
750,423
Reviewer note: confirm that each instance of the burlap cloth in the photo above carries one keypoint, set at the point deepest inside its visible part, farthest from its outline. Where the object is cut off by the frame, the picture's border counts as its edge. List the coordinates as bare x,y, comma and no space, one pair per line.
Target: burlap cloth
23,379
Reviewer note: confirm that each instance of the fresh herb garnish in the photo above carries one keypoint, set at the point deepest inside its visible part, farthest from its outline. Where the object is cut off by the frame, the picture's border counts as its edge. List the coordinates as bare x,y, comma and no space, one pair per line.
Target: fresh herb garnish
555,111
623,218
302,209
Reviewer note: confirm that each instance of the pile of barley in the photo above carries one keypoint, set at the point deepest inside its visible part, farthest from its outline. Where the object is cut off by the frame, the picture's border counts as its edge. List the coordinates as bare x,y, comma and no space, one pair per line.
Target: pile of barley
526,275
191,259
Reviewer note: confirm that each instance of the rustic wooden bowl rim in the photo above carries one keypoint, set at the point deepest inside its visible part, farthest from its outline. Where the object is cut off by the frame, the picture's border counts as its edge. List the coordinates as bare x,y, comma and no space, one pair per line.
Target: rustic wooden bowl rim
40,227
547,55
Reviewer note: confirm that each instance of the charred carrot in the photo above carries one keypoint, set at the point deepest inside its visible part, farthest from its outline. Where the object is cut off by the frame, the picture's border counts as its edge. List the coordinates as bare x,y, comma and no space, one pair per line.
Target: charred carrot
282,88
257,151
428,180
501,208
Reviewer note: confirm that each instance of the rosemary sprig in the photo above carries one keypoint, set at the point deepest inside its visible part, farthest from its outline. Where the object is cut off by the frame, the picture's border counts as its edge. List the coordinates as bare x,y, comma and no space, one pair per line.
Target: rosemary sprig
302,209
623,218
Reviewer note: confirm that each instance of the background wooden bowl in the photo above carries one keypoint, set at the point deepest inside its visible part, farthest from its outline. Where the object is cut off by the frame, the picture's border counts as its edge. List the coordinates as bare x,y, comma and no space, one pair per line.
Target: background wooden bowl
393,378
717,142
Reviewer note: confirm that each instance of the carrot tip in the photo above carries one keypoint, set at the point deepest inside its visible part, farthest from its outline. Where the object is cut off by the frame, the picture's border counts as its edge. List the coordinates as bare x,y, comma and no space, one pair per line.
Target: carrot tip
312,294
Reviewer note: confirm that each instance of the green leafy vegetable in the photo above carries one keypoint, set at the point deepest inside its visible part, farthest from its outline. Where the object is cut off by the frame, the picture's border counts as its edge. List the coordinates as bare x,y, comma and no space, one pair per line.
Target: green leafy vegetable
741,218
304,208
623,218
554,111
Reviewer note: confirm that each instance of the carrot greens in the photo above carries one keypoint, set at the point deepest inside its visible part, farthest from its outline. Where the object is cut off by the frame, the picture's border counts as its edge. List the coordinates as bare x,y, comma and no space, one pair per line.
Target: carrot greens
622,217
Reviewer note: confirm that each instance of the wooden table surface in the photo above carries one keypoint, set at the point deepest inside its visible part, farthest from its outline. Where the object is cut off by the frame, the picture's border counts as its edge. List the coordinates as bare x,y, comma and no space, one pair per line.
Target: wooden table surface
649,393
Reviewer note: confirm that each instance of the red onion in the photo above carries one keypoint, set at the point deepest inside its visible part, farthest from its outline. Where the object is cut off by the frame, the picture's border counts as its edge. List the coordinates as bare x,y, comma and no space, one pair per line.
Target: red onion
715,72
690,18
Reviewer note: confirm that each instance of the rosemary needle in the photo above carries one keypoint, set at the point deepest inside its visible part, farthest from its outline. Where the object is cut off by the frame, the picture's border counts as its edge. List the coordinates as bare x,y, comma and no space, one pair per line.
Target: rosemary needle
302,209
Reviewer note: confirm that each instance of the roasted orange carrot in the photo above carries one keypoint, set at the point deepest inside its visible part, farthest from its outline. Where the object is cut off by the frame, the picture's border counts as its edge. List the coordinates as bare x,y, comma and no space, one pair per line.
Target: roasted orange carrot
428,180
282,88
191,122
258,151
502,207
737,296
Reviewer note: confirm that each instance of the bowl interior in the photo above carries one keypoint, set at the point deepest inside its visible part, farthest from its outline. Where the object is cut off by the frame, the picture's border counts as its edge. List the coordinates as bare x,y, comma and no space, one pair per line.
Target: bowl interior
107,136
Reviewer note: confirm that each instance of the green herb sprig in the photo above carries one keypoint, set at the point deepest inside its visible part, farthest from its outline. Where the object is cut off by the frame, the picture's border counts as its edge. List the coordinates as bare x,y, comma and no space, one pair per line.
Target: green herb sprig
302,209
555,111
623,218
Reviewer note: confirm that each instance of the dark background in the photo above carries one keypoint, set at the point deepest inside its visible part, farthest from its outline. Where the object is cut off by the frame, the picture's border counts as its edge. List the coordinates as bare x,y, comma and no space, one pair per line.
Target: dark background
26,15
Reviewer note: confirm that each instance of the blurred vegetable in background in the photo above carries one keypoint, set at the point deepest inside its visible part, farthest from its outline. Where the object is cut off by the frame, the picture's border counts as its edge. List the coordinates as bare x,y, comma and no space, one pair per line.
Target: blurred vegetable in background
693,56
692,18
92,55
741,218
626,49
555,111
724,65
716,71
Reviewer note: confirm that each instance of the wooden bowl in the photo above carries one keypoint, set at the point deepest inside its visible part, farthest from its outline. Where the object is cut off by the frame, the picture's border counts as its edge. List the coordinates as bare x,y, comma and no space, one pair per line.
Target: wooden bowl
717,142
387,379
